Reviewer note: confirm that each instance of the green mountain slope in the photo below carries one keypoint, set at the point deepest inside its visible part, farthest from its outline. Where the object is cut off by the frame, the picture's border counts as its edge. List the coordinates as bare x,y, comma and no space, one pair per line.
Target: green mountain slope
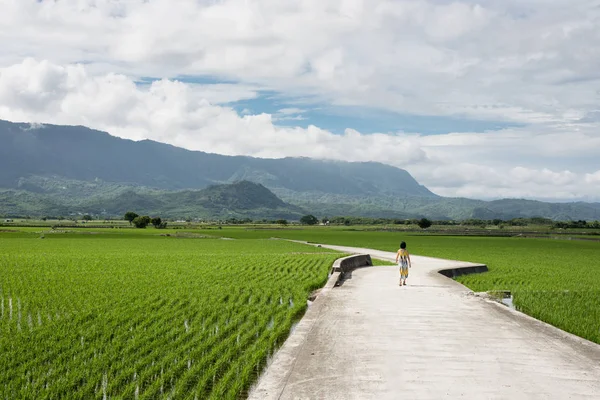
57,170
238,200
444,208
56,196
81,154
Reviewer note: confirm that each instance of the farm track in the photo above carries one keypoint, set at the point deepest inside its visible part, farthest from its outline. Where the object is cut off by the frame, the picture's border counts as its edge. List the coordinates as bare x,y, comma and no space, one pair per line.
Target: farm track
431,339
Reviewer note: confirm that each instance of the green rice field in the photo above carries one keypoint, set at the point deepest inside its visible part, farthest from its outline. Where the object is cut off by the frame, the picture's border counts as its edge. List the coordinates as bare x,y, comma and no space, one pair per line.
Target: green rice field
134,315
554,280
182,313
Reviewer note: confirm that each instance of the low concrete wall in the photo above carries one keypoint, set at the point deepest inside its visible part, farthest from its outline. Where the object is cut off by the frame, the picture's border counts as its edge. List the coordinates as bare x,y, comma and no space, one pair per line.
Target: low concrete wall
344,266
466,270
347,264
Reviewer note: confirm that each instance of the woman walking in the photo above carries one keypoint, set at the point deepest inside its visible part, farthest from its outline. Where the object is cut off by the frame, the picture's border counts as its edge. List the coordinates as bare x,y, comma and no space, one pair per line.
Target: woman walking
404,263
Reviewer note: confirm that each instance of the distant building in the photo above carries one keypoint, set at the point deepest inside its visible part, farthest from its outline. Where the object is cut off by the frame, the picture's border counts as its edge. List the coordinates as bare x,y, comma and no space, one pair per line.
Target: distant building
8,220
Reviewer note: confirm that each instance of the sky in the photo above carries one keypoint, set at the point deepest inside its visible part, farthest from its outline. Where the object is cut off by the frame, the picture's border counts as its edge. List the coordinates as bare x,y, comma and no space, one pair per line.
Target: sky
488,99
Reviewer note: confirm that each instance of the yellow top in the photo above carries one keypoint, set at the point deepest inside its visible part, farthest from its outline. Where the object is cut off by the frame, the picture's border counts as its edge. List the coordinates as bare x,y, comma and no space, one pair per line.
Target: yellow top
403,253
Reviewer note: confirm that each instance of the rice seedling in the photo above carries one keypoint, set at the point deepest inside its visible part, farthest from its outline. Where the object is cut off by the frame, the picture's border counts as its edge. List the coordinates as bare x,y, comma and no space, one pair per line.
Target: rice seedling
146,317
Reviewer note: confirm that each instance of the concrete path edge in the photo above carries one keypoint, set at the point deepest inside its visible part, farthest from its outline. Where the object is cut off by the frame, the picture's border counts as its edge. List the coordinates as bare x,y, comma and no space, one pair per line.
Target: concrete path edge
282,365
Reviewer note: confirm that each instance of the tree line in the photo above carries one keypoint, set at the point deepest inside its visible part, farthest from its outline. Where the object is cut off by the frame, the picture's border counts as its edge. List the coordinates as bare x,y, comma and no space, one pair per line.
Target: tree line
476,222
142,221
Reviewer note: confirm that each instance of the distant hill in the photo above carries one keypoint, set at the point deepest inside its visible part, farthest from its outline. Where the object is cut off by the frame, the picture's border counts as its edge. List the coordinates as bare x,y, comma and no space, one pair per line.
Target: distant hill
237,200
83,154
443,208
56,170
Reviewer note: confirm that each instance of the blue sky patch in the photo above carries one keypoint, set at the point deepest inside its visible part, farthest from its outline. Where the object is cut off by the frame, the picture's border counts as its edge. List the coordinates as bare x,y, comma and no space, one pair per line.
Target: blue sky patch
302,112
365,120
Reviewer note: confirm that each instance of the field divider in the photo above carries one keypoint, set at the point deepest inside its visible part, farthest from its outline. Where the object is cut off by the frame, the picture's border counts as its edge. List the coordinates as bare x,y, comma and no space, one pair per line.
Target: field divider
346,265
463,270
272,383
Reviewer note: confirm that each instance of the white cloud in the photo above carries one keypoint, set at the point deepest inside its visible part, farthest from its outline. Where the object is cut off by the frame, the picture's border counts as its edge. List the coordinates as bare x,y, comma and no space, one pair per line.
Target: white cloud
529,61
524,61
34,126
167,111
222,93
289,114
476,181
593,178
544,176
461,164
290,111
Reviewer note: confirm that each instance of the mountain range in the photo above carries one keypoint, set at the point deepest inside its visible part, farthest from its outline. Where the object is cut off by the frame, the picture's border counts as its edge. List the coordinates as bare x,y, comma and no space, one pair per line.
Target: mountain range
57,170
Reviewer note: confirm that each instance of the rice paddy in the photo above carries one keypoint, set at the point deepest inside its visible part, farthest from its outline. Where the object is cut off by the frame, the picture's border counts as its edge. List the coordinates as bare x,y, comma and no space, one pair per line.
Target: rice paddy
183,314
99,316
554,280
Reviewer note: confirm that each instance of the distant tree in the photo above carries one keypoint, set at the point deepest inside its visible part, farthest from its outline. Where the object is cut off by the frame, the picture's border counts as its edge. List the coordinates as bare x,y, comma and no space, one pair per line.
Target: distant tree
281,222
87,217
424,223
141,222
130,216
309,220
156,221
518,222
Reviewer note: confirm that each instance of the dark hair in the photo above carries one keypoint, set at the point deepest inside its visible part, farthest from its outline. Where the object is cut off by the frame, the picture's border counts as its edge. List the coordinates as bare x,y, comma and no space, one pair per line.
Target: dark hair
403,245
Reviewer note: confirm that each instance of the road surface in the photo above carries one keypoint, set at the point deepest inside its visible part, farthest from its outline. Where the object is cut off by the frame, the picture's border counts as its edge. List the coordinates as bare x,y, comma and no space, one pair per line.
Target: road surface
432,339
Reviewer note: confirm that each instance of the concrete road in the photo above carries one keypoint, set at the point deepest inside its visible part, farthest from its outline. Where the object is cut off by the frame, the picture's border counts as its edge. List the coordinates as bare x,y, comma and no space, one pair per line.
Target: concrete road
433,339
